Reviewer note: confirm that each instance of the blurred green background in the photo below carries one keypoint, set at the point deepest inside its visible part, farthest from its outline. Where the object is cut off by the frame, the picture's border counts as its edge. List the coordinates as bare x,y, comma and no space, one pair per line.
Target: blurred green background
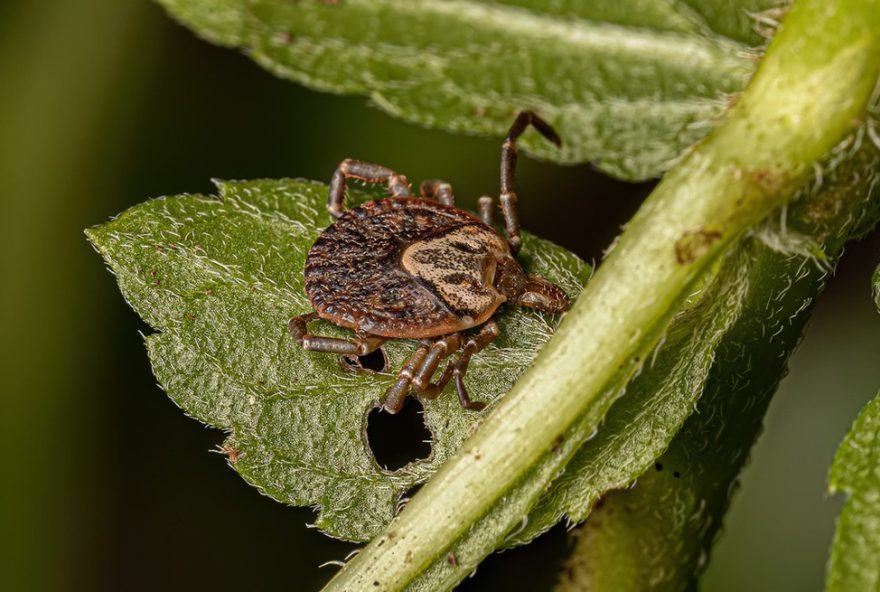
107,485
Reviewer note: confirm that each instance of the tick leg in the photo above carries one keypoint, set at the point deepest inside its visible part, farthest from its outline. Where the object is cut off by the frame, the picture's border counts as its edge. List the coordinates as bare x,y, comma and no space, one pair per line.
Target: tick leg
487,333
508,168
360,346
439,190
364,171
440,349
395,396
485,205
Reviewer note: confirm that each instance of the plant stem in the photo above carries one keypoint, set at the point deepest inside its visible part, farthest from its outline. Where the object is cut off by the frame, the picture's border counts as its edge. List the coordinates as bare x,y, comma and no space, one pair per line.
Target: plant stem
807,94
631,542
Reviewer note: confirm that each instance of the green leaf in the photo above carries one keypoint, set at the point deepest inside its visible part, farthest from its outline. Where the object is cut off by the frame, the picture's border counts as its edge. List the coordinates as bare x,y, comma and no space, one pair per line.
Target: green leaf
855,552
220,278
804,100
628,84
658,533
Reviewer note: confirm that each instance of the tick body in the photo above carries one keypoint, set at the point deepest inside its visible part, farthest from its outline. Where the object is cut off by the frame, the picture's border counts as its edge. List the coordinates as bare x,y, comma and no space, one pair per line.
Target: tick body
411,267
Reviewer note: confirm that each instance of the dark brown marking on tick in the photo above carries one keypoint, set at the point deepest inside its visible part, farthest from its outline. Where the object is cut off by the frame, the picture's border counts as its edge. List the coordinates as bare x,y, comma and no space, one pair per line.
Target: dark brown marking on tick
693,244
420,268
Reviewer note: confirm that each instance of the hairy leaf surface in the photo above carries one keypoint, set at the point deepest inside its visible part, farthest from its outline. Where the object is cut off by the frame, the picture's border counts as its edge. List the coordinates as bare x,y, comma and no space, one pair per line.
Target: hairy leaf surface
628,84
219,278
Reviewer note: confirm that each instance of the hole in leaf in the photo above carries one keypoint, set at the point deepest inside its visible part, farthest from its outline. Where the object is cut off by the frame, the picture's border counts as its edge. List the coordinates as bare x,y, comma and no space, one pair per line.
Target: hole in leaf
374,362
397,440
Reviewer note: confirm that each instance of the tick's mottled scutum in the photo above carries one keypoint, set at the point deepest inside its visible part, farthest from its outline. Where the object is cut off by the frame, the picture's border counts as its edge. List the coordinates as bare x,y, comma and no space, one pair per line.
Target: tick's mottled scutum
420,268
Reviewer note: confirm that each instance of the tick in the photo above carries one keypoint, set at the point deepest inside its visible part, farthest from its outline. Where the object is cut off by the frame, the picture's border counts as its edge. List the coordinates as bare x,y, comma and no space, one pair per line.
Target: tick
411,267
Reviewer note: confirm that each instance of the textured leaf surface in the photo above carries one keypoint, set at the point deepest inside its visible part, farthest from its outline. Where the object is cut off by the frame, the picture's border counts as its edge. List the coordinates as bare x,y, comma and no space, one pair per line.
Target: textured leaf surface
855,554
218,278
658,533
628,84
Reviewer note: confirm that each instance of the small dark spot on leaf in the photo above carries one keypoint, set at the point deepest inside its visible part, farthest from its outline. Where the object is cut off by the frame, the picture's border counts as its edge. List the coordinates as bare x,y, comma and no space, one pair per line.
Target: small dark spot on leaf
676,474
557,444
376,583
658,466
374,362
397,440
451,559
408,557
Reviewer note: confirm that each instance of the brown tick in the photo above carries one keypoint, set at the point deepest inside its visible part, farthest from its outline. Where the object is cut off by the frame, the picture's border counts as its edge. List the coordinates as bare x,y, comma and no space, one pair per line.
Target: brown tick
420,268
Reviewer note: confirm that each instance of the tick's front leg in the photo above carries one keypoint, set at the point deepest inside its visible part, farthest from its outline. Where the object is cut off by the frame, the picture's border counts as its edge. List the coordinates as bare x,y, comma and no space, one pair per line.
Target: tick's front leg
487,333
396,395
440,350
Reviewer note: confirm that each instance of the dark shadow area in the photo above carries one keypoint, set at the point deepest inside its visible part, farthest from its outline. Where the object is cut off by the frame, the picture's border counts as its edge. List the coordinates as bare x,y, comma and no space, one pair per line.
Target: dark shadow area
399,439
373,362
536,566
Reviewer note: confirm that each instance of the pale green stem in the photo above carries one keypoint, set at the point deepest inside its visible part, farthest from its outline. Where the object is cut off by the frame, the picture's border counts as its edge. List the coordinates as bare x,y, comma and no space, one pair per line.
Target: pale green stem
807,94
